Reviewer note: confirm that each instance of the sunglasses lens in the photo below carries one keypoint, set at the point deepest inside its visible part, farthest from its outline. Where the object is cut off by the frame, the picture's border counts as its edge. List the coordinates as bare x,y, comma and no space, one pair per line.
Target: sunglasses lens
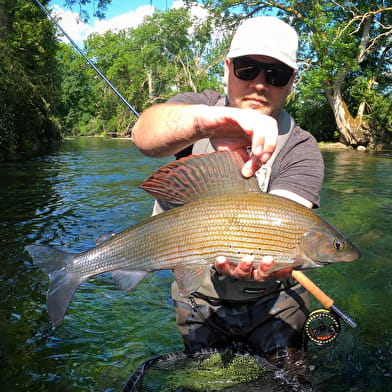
248,69
278,76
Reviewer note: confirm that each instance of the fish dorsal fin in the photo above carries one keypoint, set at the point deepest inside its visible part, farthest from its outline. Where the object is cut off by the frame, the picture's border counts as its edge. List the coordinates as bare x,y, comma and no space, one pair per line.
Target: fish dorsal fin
199,176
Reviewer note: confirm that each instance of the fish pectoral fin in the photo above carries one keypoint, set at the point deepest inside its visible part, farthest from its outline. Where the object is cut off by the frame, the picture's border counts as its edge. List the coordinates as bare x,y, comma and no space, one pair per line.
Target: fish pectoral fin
127,279
189,278
293,263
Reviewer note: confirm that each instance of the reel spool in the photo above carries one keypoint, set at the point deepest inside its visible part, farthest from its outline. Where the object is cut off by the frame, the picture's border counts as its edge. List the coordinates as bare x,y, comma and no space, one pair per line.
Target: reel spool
322,327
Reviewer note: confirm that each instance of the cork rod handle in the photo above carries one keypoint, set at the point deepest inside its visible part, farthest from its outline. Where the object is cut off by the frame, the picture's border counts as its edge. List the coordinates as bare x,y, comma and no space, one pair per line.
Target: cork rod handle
313,289
323,298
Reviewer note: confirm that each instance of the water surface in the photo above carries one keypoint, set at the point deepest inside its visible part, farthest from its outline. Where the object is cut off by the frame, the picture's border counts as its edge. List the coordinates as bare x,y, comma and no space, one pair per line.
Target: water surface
90,187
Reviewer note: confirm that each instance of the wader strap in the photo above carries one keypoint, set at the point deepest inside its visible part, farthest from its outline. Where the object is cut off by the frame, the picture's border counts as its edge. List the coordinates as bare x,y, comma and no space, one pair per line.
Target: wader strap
213,327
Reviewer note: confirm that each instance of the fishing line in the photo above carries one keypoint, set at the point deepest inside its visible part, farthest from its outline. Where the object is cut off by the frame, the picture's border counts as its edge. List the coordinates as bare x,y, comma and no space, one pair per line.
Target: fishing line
101,75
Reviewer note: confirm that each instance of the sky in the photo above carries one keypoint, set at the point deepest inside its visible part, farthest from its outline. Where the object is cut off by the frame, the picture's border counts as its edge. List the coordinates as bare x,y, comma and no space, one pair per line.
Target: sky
120,14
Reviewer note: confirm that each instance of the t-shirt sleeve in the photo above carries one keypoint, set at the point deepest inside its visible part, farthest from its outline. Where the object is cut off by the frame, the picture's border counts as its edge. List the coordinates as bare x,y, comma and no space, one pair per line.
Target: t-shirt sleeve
299,167
207,97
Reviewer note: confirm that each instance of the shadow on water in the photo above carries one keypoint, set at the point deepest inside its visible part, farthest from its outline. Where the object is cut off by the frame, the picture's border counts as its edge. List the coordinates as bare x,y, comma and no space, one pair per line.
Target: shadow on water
90,187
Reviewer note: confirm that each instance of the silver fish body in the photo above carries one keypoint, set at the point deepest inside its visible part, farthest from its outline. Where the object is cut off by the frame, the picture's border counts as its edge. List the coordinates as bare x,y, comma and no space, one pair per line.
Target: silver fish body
188,239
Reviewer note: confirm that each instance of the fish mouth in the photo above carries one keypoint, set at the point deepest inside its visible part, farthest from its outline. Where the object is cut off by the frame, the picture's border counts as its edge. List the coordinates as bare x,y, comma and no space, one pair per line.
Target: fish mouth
321,263
357,252
353,255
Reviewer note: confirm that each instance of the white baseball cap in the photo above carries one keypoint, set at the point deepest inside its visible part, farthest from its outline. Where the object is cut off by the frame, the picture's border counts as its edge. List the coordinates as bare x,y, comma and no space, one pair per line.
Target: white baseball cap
267,36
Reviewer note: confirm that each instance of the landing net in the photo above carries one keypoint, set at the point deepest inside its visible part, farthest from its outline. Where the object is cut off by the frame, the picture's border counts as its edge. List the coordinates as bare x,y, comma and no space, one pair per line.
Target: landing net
234,370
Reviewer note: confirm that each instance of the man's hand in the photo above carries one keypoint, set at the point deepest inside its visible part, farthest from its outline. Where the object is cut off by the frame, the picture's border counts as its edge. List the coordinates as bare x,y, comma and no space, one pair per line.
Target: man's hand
167,128
245,270
238,129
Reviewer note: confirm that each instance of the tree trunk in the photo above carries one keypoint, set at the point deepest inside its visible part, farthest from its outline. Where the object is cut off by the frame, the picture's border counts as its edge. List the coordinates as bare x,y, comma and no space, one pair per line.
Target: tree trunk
353,131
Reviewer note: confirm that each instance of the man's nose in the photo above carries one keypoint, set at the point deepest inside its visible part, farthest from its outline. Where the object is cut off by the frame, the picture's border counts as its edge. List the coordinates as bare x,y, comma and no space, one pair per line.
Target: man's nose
259,82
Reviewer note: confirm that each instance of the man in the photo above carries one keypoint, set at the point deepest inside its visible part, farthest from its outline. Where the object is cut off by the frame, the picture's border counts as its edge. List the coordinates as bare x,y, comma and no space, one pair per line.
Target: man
242,302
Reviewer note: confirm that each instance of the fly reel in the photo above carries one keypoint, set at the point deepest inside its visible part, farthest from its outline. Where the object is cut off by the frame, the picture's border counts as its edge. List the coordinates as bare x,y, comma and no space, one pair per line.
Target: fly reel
322,327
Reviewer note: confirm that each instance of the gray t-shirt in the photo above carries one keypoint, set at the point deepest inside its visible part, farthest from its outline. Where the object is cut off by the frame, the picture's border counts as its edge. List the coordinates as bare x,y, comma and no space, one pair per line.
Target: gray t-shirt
299,166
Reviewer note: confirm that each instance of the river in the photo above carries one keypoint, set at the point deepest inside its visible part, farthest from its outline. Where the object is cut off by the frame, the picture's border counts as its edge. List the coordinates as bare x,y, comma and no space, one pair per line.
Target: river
89,187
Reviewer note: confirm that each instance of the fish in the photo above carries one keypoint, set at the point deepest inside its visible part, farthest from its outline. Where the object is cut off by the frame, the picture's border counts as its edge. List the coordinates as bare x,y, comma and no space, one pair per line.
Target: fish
216,211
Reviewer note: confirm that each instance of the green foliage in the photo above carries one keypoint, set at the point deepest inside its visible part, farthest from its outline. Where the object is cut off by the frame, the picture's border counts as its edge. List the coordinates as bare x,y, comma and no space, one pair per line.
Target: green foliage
29,79
78,101
166,54
381,119
313,113
46,85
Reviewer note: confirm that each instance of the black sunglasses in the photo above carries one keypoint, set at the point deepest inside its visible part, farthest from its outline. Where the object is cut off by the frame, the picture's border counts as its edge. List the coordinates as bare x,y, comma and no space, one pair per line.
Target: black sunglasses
246,68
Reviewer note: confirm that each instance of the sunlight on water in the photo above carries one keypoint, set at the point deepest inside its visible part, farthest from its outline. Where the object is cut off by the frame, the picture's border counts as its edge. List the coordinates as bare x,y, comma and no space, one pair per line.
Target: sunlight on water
89,188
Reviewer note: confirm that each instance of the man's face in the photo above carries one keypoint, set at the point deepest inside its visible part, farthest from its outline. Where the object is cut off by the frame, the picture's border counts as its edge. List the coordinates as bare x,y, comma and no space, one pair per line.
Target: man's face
256,94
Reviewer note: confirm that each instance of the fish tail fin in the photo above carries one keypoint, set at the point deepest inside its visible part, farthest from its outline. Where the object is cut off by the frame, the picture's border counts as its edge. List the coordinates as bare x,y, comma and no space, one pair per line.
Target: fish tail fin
63,283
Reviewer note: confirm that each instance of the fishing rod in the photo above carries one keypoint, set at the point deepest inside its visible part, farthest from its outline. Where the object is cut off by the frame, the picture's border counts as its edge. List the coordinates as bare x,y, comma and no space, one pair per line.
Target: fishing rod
101,75
322,326
316,334
323,298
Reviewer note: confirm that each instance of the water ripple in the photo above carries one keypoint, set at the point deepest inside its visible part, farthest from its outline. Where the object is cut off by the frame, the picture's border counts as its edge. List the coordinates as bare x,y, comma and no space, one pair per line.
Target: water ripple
90,187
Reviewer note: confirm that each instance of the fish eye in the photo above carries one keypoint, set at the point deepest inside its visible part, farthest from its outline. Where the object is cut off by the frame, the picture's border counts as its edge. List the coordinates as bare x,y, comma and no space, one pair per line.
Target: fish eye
338,245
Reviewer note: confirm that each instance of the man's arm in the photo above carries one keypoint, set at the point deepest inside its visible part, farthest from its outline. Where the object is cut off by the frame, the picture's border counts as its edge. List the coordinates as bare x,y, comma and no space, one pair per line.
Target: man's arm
165,129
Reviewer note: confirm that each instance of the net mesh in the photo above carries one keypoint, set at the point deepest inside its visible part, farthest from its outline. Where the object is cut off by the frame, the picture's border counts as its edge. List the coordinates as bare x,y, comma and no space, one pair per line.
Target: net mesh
211,370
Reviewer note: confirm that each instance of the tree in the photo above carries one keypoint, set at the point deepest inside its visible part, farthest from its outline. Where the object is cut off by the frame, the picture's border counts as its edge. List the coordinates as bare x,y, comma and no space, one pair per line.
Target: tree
79,100
346,52
168,53
29,86
99,7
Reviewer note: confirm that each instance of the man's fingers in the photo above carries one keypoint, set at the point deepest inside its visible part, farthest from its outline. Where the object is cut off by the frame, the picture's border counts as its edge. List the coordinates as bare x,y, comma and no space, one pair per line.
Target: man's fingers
261,272
245,268
266,263
251,166
264,137
222,266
